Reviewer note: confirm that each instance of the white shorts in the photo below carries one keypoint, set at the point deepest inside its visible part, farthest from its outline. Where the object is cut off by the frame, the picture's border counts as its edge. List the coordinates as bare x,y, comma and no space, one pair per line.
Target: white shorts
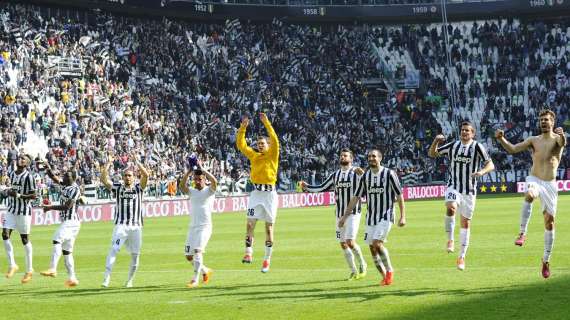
465,202
350,229
547,191
20,223
197,239
66,234
378,232
262,206
130,236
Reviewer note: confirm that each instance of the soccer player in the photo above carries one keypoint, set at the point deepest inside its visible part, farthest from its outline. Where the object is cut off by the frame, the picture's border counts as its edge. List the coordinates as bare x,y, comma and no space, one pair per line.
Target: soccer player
200,230
546,149
263,199
345,181
128,217
19,214
64,237
381,187
465,157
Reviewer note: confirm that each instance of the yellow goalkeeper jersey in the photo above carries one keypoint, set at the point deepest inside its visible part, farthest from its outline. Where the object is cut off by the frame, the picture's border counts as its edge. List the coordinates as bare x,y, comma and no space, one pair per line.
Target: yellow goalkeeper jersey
263,165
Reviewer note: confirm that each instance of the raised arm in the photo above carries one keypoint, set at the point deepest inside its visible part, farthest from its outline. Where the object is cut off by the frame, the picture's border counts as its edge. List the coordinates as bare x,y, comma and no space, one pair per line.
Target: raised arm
183,184
144,171
273,139
50,174
240,140
561,139
213,181
105,174
509,147
433,148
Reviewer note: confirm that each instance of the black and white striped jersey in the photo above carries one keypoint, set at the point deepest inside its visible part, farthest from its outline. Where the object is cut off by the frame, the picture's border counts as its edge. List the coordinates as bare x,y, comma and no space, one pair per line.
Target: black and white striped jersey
464,160
381,190
344,183
68,193
129,209
24,184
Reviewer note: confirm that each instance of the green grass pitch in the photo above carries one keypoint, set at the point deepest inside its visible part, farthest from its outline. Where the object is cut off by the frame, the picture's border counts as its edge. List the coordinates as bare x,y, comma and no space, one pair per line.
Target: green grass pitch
307,279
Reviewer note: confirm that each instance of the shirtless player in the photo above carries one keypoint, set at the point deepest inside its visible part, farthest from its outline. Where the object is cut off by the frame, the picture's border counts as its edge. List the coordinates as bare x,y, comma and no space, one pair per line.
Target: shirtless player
546,149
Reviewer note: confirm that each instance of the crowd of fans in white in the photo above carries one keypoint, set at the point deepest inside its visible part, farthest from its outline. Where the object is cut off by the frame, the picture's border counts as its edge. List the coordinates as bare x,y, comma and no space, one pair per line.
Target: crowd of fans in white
171,88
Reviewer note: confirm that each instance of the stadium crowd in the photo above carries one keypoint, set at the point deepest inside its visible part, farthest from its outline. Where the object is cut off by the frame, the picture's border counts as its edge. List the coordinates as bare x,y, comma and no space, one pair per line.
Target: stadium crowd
171,88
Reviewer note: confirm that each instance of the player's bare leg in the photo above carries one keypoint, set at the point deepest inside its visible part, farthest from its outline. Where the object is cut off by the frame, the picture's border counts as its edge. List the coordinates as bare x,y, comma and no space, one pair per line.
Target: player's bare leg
385,256
451,207
349,256
375,251
381,258
464,235
355,248
250,229
12,266
548,243
268,247
526,212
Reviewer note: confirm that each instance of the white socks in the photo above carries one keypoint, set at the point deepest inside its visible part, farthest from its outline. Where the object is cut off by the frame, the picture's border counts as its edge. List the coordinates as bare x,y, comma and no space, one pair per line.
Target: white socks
134,266
464,236
111,257
268,252
69,265
449,226
385,256
198,266
9,252
350,259
525,216
249,251
548,244
358,254
56,254
28,250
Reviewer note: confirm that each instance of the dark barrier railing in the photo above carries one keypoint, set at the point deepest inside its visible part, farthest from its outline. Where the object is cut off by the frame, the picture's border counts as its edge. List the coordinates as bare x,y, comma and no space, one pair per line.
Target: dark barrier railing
322,11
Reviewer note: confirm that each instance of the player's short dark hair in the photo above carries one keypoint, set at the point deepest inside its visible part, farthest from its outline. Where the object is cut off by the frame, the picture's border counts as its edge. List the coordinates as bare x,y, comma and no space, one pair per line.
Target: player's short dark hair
27,156
198,172
266,138
467,123
73,174
547,112
347,150
378,151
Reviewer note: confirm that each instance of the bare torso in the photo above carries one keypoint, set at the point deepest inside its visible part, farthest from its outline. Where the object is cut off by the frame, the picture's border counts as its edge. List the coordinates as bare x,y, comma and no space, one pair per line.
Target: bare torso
546,155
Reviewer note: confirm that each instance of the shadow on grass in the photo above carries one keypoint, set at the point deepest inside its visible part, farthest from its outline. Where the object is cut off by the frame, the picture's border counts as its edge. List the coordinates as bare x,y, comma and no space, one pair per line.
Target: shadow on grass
16,291
545,299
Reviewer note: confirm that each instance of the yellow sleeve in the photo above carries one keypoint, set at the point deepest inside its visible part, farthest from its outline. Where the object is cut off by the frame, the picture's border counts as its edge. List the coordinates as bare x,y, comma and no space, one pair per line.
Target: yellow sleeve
273,140
242,145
